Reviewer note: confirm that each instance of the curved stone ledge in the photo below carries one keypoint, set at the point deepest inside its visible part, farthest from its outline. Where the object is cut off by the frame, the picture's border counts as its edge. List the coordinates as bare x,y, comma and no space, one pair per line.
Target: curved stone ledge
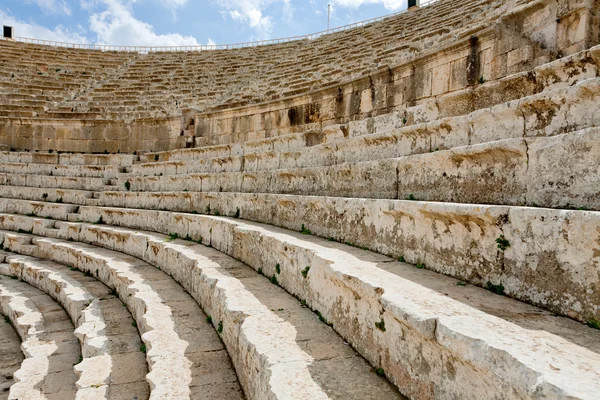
264,347
459,240
94,370
356,291
50,351
164,348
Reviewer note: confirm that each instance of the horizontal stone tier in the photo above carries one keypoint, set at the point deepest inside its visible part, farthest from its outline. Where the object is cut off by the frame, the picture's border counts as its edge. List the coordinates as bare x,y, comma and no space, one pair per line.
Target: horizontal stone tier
506,172
372,300
168,319
570,109
263,342
47,341
112,363
497,245
120,160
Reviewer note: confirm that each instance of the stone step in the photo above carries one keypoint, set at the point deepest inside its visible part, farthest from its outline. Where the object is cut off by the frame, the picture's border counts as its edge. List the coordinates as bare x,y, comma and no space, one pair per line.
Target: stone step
571,109
560,74
59,182
168,319
518,171
50,347
499,245
229,290
112,364
54,195
341,281
371,300
12,357
81,171
120,160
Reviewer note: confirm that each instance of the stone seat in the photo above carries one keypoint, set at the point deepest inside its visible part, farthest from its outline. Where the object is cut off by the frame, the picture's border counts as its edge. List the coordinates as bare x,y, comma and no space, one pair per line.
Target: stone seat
12,357
48,343
551,77
113,365
61,182
173,328
426,303
510,171
91,171
240,291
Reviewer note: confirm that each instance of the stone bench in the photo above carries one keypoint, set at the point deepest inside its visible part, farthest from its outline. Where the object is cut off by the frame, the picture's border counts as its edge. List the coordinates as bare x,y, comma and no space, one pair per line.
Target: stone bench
386,293
82,171
48,343
112,362
262,343
518,171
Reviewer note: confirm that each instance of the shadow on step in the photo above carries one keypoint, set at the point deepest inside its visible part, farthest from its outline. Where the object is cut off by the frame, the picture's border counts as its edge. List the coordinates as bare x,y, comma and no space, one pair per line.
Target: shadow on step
522,314
338,369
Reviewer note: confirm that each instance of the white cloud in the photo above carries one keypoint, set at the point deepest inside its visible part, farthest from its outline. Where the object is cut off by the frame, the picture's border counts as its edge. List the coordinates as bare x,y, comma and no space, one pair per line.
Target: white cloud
117,25
392,5
33,30
52,6
210,42
250,12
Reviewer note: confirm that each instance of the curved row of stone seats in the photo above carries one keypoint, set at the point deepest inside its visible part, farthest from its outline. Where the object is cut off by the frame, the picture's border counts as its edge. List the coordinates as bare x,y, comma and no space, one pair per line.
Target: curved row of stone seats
112,365
506,147
527,117
488,245
119,160
176,336
58,196
48,181
159,85
12,357
563,73
277,345
50,75
372,301
83,171
48,343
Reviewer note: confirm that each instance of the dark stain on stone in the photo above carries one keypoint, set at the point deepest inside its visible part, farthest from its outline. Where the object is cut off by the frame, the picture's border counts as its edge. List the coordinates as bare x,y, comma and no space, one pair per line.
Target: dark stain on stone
473,64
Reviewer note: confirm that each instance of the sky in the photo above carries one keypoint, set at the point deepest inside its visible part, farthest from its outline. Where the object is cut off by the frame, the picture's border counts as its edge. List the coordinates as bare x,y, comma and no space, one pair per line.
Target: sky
182,22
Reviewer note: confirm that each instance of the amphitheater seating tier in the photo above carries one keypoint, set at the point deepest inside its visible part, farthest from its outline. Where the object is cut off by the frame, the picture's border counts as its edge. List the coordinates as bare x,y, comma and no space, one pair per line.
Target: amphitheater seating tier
48,343
161,84
445,249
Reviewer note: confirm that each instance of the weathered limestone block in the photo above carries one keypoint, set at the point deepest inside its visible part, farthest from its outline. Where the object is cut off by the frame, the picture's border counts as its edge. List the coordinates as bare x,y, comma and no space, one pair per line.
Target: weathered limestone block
490,173
355,290
44,345
45,194
563,170
566,72
562,110
503,121
454,239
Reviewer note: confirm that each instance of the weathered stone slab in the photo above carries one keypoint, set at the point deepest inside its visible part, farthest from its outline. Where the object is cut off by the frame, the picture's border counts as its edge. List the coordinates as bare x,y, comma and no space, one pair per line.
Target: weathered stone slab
355,290
48,343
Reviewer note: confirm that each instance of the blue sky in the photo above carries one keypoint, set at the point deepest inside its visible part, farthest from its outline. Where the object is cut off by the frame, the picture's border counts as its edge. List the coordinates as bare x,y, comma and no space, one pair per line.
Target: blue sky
182,22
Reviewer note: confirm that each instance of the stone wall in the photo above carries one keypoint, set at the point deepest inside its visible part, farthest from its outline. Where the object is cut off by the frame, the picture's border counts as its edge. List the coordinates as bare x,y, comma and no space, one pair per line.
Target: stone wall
91,136
527,37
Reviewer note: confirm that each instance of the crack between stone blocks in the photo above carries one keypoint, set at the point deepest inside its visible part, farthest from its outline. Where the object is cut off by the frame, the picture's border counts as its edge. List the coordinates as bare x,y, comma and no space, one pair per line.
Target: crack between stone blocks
524,136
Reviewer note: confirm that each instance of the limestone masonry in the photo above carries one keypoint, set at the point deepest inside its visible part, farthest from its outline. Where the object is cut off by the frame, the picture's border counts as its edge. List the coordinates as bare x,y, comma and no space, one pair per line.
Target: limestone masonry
404,210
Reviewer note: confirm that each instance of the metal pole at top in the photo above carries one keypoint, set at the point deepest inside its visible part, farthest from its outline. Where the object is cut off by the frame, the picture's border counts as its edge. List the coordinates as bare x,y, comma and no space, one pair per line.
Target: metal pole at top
328,14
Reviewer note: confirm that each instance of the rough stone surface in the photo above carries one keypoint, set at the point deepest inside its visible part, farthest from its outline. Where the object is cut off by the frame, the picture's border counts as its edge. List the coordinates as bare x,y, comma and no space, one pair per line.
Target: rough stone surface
109,358
48,343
